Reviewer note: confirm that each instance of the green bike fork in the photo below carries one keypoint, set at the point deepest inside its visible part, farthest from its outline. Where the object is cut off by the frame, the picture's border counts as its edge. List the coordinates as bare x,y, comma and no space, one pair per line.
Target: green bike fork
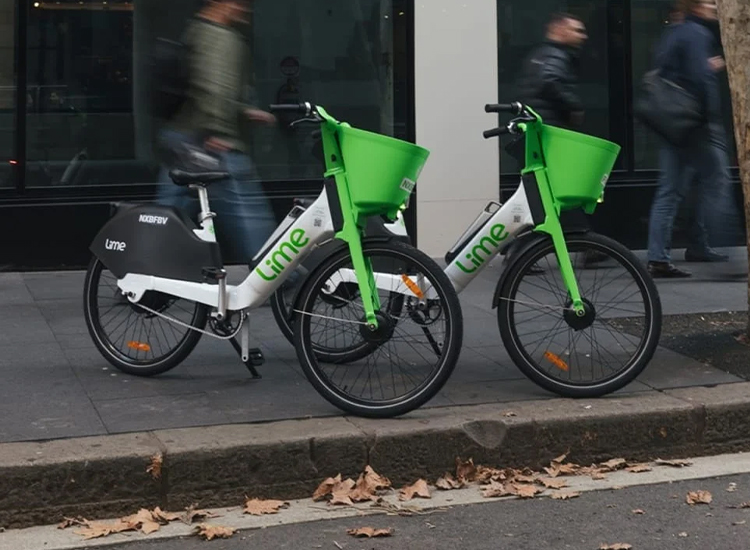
353,223
551,225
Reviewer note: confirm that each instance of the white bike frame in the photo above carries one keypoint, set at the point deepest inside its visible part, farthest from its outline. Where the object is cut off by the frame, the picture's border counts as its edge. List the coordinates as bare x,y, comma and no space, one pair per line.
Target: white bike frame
492,230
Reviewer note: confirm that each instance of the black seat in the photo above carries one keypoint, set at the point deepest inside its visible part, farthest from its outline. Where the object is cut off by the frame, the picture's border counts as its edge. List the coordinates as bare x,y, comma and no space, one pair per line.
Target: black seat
182,178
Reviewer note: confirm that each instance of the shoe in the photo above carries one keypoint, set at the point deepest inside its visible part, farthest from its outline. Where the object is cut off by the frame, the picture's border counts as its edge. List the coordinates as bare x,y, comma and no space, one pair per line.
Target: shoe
708,255
666,270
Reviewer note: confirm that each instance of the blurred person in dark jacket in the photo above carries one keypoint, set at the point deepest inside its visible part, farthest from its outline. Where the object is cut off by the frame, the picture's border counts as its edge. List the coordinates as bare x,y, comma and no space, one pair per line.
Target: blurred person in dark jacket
217,107
686,56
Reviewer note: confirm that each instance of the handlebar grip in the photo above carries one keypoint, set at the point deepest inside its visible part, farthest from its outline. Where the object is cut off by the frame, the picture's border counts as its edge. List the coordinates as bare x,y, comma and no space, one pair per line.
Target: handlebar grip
496,132
514,108
301,108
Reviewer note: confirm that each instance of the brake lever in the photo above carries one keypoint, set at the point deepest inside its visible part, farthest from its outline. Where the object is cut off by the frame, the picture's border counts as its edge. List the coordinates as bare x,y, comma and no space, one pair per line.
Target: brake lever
315,119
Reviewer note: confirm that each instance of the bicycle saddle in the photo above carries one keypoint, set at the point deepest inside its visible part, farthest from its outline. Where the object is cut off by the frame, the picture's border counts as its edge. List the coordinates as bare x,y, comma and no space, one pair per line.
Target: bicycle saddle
182,178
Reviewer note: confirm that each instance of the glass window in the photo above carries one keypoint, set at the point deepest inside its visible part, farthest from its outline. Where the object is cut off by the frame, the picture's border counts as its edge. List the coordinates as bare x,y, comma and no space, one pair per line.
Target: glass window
649,20
7,92
521,27
88,81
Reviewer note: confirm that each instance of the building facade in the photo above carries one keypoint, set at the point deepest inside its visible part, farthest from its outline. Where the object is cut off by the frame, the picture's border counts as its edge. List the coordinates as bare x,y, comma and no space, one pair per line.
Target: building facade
76,133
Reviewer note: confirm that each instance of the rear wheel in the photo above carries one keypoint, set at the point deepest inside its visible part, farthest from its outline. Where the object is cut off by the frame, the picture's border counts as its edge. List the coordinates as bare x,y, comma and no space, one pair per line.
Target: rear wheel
131,338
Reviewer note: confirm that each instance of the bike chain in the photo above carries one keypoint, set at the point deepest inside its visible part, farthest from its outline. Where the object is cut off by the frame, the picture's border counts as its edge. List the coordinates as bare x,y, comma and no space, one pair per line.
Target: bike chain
243,315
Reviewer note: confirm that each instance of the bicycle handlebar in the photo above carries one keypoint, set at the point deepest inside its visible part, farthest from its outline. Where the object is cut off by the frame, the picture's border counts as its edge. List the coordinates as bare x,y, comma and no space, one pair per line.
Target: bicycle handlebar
496,132
515,108
305,109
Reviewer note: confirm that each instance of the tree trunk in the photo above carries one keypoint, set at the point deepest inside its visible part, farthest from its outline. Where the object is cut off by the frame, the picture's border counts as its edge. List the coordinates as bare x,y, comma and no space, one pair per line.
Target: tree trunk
734,17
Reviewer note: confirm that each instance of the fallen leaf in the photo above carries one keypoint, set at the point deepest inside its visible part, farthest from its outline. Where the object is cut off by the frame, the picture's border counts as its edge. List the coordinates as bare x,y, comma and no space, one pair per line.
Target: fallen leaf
741,505
673,463
638,512
682,535
325,488
509,414
699,497
70,522
144,521
551,483
732,487
367,486
616,546
155,467
560,459
257,507
495,490
525,479
192,513
563,495
97,529
340,493
638,468
369,532
465,471
524,491
448,482
165,517
612,465
419,488
598,476
210,532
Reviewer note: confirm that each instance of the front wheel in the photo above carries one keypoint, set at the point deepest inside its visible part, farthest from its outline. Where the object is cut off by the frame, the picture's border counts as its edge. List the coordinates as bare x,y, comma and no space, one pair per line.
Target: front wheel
580,356
412,353
131,338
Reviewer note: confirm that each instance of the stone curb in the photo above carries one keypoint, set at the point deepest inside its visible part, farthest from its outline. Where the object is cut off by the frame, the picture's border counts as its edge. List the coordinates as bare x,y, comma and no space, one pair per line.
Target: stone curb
217,466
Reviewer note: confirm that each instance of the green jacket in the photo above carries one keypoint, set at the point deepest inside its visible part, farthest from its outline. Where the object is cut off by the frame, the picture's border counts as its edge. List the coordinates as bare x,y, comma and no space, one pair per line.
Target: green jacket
220,81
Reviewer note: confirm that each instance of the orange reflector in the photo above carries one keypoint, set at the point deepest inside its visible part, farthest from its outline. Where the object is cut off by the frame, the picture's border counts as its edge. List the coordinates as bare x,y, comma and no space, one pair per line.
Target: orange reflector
412,286
140,346
556,360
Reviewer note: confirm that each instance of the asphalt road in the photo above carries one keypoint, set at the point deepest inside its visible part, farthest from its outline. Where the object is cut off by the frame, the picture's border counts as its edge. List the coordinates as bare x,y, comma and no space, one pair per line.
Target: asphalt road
593,519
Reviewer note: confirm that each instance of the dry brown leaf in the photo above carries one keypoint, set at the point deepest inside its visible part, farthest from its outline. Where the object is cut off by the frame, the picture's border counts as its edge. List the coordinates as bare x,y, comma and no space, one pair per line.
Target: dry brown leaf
70,522
565,495
448,482
370,532
419,488
740,506
638,512
155,467
210,532
465,471
524,491
598,476
97,529
165,517
616,546
552,471
612,465
325,488
192,513
638,468
257,507
144,521
560,459
495,490
525,479
699,497
340,493
673,463
551,483
509,414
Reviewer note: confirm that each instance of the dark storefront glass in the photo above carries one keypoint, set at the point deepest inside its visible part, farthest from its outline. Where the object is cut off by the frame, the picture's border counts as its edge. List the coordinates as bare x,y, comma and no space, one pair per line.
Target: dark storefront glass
521,26
88,120
649,19
7,92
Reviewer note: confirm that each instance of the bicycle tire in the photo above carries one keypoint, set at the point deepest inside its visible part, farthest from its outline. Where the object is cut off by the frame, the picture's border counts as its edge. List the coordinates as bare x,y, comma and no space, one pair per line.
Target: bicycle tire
529,367
450,350
121,361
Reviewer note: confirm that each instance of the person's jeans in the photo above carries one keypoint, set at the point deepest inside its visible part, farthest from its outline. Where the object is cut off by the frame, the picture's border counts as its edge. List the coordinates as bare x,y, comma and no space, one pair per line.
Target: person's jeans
244,218
705,163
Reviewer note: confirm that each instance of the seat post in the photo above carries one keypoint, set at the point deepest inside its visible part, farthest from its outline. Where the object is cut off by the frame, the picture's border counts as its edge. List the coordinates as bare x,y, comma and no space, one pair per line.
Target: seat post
206,219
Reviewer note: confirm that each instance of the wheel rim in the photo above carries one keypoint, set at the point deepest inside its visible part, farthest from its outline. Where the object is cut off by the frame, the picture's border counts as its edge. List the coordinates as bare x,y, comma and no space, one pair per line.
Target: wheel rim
388,375
607,342
132,334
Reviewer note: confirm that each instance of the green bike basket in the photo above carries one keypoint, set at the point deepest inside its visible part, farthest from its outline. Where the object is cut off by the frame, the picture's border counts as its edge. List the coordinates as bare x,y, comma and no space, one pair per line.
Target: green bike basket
381,171
578,165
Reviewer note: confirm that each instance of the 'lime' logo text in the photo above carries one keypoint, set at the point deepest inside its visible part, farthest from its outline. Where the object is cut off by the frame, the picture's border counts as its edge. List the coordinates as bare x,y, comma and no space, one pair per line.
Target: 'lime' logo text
484,249
284,255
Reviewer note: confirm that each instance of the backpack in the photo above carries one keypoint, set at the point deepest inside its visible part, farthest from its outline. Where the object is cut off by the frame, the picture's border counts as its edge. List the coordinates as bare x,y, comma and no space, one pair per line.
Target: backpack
170,74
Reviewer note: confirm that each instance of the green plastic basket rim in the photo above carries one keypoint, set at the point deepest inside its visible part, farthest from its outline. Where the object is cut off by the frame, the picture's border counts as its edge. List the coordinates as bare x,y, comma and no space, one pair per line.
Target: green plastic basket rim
583,139
389,141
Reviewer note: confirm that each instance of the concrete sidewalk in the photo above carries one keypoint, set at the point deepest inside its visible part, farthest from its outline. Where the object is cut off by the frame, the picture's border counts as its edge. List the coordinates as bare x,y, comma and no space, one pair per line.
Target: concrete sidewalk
105,425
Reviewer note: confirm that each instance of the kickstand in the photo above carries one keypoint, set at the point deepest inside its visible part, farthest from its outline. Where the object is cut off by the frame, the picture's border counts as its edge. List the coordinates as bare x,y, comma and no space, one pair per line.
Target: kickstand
250,357
255,358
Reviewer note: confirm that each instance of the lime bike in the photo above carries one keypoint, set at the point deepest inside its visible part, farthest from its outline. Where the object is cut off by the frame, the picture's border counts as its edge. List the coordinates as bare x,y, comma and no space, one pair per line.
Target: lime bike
577,311
156,283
